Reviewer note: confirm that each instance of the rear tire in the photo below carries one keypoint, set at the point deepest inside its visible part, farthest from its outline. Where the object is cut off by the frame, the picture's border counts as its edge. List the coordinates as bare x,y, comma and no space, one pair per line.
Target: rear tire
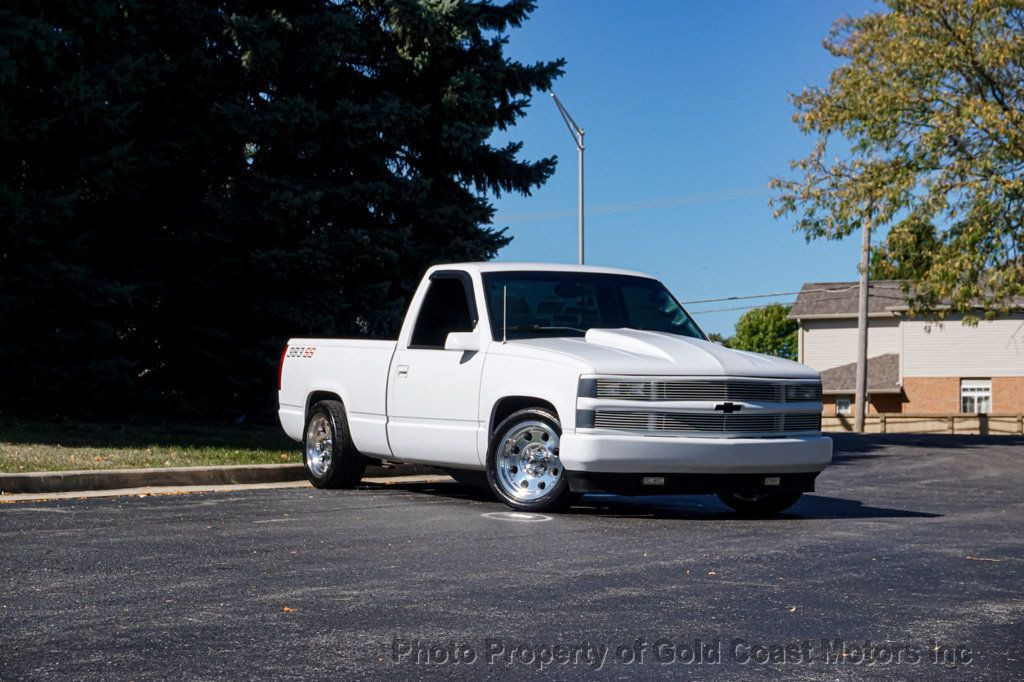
328,454
523,468
760,504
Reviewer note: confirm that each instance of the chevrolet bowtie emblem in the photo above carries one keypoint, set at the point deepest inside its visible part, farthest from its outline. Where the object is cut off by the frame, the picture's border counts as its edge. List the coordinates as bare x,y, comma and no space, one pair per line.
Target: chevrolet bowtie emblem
728,408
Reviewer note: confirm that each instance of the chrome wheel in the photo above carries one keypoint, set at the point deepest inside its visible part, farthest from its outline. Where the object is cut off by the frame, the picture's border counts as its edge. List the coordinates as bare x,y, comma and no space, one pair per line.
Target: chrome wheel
526,461
319,445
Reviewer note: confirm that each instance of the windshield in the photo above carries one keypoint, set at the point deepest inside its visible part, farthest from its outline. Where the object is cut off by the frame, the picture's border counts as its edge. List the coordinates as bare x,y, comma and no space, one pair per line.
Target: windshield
569,303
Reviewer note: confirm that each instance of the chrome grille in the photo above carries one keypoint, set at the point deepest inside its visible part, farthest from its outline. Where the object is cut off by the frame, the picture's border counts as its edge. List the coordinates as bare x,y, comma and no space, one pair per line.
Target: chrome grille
705,422
802,422
711,389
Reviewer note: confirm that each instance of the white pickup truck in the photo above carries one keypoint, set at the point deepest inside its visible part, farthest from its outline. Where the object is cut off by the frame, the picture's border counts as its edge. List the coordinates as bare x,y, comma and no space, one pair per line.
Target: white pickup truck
557,380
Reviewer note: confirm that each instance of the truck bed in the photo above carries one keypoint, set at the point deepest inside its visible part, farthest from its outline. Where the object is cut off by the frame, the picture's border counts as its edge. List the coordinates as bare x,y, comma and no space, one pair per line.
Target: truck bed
356,370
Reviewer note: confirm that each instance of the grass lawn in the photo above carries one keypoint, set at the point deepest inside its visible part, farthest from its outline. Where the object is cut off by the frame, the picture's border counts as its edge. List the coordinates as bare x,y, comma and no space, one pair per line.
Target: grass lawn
37,445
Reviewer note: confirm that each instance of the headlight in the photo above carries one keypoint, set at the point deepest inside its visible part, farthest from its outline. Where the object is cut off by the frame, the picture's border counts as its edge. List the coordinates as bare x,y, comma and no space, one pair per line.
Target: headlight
612,389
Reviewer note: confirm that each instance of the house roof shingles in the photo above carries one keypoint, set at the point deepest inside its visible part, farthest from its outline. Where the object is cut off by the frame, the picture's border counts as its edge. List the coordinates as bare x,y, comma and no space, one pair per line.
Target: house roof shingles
839,299
883,376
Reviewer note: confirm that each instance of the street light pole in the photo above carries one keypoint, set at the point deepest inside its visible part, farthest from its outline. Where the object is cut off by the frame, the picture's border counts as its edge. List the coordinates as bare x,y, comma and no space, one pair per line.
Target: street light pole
577,138
580,201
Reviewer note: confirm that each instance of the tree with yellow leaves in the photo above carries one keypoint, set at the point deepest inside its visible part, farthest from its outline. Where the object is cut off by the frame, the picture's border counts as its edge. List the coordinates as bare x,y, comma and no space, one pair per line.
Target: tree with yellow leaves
927,113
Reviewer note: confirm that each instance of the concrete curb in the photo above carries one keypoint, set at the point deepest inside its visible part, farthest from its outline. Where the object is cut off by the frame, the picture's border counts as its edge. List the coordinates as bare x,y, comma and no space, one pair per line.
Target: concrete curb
110,479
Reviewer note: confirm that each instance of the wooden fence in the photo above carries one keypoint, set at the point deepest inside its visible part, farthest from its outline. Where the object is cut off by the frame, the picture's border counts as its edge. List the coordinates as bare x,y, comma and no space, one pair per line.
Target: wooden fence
897,422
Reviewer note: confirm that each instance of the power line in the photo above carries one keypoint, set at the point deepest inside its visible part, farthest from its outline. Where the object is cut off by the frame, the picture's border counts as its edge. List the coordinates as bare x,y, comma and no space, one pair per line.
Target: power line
724,310
664,202
740,298
815,299
787,293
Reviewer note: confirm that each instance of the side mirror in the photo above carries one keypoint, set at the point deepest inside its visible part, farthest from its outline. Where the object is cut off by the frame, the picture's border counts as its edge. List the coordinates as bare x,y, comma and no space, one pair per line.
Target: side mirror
467,342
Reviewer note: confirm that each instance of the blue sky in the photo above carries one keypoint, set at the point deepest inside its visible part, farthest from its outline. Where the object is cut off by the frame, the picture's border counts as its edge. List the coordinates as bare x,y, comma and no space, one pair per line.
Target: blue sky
684,104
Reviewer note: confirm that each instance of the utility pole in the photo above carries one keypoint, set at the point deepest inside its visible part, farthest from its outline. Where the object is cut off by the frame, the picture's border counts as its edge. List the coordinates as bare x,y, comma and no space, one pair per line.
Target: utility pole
577,138
861,399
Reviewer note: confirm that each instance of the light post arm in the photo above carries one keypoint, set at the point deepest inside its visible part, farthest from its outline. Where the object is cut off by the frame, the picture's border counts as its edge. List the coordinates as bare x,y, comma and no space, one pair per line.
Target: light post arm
577,137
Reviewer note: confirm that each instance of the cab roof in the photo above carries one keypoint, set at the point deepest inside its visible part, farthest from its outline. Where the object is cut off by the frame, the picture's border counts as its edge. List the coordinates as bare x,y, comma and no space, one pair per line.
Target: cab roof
483,267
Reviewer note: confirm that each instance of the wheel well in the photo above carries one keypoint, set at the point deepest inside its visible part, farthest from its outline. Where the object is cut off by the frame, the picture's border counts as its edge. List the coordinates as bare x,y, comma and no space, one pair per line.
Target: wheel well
506,406
317,396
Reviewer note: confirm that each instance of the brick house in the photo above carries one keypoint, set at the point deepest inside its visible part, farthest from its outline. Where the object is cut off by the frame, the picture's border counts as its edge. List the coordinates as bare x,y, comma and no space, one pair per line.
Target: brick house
914,366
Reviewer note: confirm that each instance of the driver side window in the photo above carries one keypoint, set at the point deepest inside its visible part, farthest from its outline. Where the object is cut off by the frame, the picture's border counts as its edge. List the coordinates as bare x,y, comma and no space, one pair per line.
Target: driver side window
445,309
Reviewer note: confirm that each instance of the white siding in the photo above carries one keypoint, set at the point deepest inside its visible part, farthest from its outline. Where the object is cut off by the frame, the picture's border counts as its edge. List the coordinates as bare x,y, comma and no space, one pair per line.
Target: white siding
993,348
831,343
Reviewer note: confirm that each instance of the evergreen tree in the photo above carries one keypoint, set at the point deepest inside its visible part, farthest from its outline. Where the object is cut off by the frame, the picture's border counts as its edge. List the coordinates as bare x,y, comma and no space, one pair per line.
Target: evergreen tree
184,184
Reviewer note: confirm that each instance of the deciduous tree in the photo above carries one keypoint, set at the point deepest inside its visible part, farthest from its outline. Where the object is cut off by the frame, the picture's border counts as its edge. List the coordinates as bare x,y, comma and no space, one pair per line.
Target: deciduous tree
767,330
920,130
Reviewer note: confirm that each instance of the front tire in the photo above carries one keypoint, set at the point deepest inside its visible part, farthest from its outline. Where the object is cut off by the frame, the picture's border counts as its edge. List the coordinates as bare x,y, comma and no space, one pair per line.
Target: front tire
328,455
523,468
760,504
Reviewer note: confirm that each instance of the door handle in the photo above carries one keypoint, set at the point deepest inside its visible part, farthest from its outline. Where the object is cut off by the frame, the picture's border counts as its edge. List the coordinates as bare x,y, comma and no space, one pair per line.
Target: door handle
403,371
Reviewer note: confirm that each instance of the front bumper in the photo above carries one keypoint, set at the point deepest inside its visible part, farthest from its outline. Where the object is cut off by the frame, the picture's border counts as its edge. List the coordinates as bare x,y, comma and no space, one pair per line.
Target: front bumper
631,454
689,484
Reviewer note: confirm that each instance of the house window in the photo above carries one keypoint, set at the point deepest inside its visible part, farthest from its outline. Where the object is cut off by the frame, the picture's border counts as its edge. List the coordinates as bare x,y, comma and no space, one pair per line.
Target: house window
843,406
975,396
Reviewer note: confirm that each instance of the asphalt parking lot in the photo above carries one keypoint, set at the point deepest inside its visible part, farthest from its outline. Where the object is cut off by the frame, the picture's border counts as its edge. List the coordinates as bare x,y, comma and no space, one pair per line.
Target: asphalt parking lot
907,562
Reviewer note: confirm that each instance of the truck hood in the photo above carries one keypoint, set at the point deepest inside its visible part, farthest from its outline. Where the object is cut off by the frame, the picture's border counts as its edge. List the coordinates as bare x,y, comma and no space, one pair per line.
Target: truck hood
632,351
